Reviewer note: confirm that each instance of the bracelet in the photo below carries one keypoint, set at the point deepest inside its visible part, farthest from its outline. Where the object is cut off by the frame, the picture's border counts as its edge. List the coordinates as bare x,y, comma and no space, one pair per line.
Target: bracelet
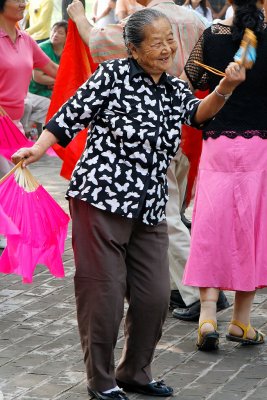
224,96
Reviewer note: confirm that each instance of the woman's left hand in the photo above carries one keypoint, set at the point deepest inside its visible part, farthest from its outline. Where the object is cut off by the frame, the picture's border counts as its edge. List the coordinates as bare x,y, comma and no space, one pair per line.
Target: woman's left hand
234,75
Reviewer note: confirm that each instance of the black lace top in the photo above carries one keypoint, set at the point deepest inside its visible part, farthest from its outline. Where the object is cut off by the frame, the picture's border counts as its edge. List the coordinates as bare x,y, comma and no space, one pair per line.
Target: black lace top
245,113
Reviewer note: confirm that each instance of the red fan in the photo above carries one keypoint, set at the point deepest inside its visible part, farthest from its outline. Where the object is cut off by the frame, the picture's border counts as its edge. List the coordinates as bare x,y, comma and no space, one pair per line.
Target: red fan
41,223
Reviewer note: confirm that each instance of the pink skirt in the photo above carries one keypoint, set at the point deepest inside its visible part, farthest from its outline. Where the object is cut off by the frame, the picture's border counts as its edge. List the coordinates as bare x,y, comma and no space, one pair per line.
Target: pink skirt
229,227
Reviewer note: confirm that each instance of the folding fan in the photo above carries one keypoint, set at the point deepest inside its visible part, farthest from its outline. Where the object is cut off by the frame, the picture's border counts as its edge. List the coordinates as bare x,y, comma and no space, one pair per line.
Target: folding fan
40,221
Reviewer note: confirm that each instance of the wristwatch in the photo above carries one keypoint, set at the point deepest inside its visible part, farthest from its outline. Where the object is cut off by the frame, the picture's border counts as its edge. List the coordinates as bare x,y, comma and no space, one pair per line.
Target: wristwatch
224,96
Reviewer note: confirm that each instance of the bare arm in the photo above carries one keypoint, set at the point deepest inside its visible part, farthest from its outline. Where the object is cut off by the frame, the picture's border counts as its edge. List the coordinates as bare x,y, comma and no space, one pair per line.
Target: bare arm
111,6
121,15
215,100
40,77
94,10
50,69
77,14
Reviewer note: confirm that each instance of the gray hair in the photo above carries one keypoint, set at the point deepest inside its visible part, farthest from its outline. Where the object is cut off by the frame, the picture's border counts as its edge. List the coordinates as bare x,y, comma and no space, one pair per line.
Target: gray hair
133,31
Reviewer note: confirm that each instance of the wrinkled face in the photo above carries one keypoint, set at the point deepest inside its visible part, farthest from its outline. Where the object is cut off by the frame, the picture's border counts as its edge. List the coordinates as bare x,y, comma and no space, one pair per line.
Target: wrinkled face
156,53
14,10
58,36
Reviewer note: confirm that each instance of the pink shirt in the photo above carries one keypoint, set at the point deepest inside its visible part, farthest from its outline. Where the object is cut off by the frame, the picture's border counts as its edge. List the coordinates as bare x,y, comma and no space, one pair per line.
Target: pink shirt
17,62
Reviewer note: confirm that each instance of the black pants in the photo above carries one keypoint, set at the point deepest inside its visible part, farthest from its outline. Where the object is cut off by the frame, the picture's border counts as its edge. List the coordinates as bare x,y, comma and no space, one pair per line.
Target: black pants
115,258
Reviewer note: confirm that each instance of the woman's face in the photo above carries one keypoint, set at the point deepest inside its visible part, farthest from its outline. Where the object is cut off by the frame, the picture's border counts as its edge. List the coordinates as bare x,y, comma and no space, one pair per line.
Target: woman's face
14,10
58,36
156,53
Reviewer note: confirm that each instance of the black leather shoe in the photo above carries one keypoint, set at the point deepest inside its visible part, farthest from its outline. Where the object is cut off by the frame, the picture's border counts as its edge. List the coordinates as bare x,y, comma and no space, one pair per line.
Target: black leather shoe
116,395
192,312
222,302
188,314
176,300
158,388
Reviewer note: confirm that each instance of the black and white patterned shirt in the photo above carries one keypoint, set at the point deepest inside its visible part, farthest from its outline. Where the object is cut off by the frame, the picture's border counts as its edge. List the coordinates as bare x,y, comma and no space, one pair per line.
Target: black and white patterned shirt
134,128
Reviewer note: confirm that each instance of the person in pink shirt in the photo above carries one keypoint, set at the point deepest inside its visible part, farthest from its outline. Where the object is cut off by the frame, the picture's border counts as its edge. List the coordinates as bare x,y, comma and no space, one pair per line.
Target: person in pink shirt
21,55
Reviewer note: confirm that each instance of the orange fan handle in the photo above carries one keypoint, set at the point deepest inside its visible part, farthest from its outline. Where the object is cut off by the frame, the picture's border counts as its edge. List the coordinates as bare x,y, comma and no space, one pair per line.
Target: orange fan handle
211,69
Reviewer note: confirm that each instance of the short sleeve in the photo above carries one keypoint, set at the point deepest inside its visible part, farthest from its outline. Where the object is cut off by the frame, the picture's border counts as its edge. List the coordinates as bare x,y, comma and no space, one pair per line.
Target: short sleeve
189,104
40,59
196,74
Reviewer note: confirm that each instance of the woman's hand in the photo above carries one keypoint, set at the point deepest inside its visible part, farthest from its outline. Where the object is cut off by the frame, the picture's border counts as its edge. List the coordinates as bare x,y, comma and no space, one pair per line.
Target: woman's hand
234,75
76,10
30,155
34,153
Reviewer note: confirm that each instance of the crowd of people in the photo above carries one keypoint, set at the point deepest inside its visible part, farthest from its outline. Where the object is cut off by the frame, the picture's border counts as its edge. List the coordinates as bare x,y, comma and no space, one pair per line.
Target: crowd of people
127,190
36,21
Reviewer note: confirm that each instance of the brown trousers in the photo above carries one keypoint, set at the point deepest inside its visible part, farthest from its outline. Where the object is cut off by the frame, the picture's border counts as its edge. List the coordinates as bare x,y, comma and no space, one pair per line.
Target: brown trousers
115,258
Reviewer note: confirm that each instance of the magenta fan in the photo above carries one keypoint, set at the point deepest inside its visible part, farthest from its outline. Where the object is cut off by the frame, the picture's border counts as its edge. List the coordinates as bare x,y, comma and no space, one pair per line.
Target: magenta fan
40,221
7,227
11,138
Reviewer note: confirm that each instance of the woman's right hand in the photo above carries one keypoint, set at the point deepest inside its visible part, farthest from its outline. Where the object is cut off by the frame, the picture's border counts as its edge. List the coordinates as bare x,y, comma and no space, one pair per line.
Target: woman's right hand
76,10
30,155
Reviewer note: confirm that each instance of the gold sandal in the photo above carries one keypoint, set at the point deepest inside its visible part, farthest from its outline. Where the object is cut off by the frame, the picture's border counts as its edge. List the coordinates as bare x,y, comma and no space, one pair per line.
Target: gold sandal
244,340
210,340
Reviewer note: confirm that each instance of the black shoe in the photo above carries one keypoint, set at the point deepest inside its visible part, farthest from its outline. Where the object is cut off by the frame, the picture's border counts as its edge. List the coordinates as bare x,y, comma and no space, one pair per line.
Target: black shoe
222,302
192,312
116,395
158,388
176,300
208,342
188,314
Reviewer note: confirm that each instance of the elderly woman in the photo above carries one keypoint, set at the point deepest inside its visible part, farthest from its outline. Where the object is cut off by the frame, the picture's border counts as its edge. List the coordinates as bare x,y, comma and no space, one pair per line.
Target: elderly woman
118,194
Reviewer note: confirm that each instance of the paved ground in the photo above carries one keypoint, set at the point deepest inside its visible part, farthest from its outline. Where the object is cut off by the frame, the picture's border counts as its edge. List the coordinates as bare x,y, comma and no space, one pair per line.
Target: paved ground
40,355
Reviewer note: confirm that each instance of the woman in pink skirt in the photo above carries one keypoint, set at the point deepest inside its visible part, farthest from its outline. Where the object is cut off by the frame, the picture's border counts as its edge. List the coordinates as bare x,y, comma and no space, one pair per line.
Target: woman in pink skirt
229,232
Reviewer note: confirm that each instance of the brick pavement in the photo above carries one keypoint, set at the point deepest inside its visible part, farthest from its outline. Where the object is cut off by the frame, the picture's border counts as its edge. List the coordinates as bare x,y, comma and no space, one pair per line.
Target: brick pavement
40,355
